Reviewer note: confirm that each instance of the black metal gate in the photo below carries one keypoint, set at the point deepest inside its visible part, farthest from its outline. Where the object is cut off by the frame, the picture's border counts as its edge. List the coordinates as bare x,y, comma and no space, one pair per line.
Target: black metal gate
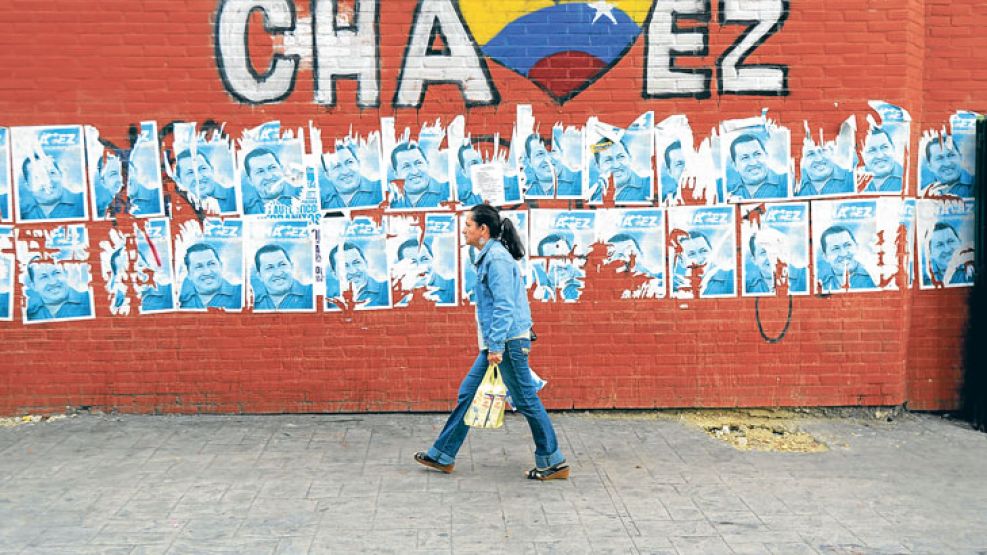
973,390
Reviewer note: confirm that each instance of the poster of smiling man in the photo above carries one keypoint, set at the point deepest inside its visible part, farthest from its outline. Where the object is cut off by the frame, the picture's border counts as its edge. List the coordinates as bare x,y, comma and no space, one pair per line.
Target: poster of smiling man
467,254
755,159
281,265
561,240
273,179
774,242
635,242
945,243
6,209
349,175
622,155
7,268
209,265
702,242
418,169
354,254
481,175
826,168
423,261
205,169
50,171
845,245
884,150
548,174
946,162
685,174
56,283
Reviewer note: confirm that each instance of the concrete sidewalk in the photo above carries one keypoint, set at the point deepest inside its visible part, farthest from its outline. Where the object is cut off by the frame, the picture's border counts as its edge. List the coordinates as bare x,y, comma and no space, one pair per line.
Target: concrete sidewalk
347,484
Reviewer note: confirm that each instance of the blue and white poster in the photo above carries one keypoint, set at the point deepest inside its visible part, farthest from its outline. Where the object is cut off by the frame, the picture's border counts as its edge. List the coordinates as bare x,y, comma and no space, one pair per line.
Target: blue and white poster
545,174
273,180
826,168
686,175
424,261
481,174
467,254
561,240
775,249
209,265
55,274
884,150
205,169
755,159
418,169
115,266
635,242
845,245
945,243
50,171
144,187
354,254
280,257
106,172
947,161
6,198
7,269
623,156
350,176
154,275
702,242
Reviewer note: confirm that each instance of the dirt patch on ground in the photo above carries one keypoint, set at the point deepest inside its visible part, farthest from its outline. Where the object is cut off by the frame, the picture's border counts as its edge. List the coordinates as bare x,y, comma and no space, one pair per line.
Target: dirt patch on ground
14,421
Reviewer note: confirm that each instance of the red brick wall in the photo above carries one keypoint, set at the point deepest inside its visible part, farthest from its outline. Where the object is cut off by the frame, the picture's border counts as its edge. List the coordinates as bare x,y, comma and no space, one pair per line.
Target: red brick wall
115,63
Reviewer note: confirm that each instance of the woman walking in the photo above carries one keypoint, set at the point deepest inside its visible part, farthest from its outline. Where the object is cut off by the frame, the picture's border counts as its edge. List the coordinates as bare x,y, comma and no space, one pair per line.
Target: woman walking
504,336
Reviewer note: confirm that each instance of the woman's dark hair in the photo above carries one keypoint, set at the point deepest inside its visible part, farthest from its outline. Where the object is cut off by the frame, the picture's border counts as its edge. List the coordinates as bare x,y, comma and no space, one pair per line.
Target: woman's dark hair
500,229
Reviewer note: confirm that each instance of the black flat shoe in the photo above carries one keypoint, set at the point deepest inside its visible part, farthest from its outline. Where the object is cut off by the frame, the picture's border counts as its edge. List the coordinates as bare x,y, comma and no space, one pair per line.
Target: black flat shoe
556,472
422,458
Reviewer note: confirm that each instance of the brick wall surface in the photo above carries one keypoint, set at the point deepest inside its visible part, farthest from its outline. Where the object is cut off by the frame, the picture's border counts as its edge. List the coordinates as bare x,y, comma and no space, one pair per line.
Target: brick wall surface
115,63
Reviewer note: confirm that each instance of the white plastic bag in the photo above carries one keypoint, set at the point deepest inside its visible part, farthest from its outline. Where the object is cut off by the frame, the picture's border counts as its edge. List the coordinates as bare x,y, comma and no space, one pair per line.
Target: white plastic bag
539,385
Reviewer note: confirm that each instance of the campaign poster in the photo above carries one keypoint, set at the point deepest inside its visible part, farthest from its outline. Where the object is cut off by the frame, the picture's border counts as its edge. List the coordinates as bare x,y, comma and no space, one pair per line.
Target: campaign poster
280,257
56,278
635,242
205,169
115,268
7,268
153,268
884,150
774,243
209,265
686,175
947,160
350,176
702,242
561,240
945,243
423,261
145,195
623,156
545,174
481,173
418,169
356,270
755,159
105,165
468,254
826,167
273,180
49,166
6,208
845,245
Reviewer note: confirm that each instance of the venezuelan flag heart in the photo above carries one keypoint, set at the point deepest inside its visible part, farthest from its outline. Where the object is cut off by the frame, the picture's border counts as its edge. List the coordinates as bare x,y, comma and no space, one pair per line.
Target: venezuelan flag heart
560,46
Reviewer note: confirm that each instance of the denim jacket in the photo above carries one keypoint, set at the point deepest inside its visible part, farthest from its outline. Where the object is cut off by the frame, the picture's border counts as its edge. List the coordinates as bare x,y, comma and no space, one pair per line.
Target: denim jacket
501,299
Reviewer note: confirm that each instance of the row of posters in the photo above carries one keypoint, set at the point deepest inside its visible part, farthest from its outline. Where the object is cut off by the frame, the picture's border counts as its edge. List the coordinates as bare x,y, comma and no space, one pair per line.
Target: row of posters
283,265
68,173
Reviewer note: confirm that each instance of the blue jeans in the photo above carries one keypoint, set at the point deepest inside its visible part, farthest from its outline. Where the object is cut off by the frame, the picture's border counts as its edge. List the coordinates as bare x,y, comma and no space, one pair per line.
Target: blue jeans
517,377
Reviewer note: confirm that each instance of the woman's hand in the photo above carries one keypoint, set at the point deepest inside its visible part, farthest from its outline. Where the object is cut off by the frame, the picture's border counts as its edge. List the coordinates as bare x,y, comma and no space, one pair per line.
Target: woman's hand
495,358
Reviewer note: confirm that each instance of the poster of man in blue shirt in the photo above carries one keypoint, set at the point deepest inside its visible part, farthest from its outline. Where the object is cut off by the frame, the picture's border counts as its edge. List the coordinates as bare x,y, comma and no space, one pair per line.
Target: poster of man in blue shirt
50,172
357,255
824,173
635,243
703,242
144,186
206,285
538,169
753,169
838,267
943,166
107,178
776,249
197,175
466,158
344,182
154,276
6,274
52,296
265,183
275,286
6,214
883,159
419,257
946,245
421,190
623,155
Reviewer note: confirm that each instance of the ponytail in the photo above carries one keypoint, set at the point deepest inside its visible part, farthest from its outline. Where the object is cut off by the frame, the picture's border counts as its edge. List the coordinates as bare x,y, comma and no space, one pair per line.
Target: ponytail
501,229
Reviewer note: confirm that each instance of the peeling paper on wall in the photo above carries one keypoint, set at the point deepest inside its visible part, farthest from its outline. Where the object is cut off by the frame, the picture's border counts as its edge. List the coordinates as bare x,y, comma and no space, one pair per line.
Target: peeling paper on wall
561,242
686,175
947,160
623,156
55,275
774,245
273,177
480,174
350,176
418,169
884,151
635,243
205,169
946,244
56,186
702,246
826,167
355,264
423,258
8,265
